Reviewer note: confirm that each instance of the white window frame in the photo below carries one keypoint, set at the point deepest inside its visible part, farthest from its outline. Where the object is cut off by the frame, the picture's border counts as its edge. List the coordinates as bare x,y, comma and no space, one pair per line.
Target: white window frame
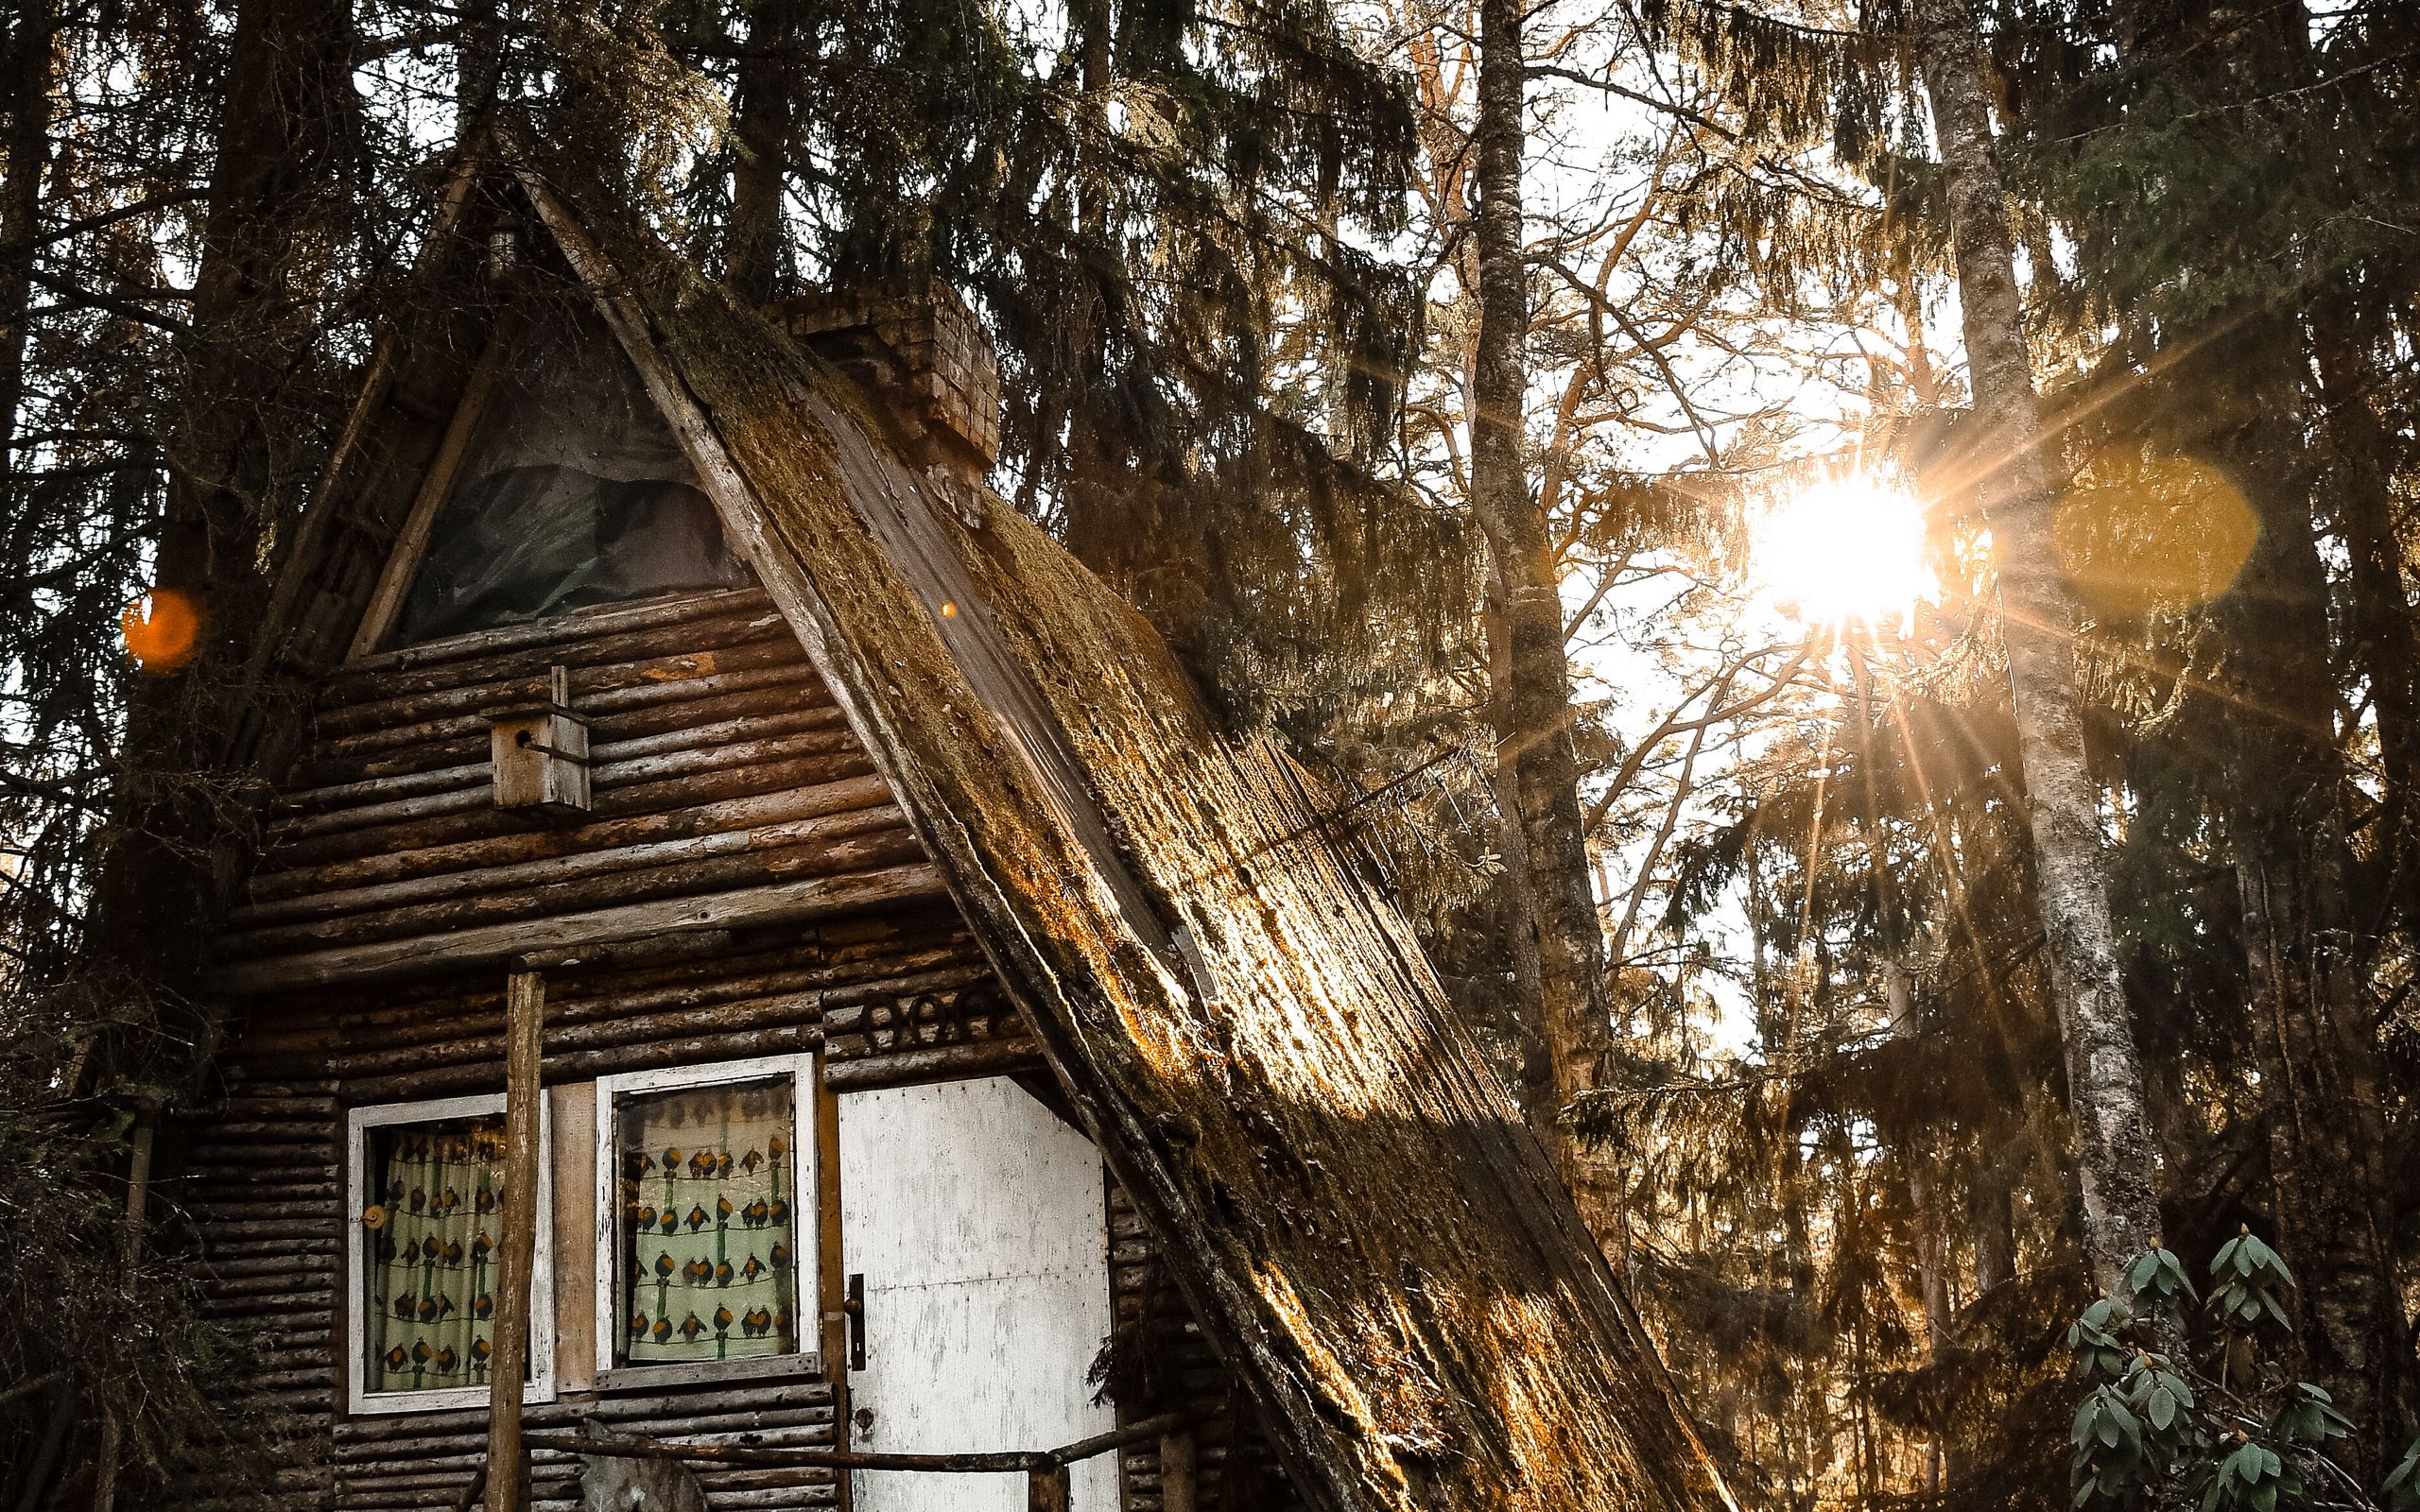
358,1122
805,1250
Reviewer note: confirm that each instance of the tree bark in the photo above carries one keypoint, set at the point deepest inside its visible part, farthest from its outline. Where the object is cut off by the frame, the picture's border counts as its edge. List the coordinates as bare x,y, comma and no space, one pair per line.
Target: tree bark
2385,648
1546,847
2284,794
31,66
764,123
2114,1157
239,466
2282,788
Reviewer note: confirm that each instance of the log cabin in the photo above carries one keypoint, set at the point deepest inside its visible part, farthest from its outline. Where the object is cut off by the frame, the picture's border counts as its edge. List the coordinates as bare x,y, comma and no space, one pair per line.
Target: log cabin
944,1035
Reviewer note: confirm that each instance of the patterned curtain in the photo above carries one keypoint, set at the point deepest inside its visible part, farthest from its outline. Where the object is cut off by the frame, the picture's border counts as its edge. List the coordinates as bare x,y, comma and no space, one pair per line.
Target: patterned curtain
436,1217
708,1255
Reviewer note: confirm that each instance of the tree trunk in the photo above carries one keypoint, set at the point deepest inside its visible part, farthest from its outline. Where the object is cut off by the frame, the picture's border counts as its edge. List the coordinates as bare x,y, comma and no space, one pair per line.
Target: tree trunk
252,405
2039,617
764,123
2285,789
32,78
1548,858
2385,649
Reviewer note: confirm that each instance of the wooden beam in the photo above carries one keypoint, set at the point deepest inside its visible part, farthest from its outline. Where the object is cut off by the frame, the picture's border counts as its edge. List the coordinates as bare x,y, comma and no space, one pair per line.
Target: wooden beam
396,580
1178,1473
1046,1490
954,1062
525,1000
559,938
596,1438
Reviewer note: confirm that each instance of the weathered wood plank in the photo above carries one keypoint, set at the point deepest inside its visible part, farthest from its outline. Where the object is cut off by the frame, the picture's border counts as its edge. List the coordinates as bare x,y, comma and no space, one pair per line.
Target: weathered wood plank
560,939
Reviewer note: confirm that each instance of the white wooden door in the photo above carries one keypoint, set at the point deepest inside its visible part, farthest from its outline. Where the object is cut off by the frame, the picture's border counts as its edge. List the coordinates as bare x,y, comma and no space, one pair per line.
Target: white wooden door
975,1217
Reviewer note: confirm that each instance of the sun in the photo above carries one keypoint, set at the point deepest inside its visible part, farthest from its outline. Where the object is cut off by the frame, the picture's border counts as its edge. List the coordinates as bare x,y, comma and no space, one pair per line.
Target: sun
1846,549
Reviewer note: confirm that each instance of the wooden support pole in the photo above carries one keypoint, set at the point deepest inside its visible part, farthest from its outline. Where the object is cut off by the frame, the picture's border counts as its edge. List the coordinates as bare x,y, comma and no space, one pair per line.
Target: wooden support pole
596,1439
525,1003
138,1181
1046,1490
1177,1480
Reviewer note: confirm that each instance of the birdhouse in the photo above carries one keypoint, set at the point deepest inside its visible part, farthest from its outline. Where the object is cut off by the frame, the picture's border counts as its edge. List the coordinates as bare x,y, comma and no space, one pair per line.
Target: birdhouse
539,753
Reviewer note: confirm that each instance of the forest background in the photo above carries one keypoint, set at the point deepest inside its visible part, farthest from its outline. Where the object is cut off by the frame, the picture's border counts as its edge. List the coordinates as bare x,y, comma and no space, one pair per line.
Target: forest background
1850,561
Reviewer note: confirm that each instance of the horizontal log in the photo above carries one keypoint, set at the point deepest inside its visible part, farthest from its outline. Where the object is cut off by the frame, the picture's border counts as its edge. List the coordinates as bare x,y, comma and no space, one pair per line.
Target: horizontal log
291,1306
332,768
626,759
277,1283
384,739
653,1055
802,1499
984,1058
295,1170
471,1422
254,1102
484,821
794,1011
856,840
438,866
468,1451
302,1258
232,1214
554,870
719,1485
550,937
486,656
472,790
630,1446
847,982
573,624
455,698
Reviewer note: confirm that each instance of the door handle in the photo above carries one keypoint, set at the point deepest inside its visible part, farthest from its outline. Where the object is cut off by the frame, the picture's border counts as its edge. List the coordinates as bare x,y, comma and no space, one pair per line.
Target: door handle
855,1310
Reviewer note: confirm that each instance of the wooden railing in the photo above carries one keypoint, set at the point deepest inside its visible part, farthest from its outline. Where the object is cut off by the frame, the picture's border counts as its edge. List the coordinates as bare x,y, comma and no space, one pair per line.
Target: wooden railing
1045,1469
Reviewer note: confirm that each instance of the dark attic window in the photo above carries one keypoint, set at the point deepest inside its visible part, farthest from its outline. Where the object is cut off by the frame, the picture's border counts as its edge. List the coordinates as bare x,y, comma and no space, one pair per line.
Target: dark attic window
572,492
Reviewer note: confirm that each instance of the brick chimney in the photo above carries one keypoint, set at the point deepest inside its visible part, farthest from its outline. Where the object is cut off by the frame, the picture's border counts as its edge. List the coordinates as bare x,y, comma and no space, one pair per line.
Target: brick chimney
917,351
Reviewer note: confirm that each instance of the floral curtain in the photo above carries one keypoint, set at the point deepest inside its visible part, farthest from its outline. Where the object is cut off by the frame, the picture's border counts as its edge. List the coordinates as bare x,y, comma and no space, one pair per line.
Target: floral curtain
435,1220
708,1219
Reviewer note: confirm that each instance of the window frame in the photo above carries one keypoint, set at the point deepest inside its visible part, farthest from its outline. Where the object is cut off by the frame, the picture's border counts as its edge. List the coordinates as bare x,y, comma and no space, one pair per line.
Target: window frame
359,1397
805,1070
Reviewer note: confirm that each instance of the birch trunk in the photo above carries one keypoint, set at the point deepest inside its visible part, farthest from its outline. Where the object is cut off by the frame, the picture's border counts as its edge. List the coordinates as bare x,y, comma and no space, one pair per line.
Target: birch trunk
2114,1157
1545,849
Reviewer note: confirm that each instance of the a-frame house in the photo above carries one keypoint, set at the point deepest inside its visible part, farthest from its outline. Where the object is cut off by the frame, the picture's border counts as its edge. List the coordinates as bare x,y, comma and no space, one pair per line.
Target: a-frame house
933,993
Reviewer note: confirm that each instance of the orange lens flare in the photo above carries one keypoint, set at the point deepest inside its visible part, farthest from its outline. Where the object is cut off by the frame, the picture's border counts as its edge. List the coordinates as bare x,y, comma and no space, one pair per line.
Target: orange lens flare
2167,533
162,630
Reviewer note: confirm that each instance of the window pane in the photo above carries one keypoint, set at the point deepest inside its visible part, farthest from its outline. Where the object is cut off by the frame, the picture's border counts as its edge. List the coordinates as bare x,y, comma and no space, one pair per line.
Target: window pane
708,1223
572,492
435,1213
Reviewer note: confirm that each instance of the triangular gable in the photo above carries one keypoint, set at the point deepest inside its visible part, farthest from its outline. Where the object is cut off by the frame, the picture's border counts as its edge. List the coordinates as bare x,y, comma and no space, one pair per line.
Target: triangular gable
558,486
1348,1197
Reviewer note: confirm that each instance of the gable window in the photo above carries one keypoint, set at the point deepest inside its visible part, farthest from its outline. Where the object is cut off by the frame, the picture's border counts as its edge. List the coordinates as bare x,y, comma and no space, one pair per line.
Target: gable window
427,1184
705,1263
572,492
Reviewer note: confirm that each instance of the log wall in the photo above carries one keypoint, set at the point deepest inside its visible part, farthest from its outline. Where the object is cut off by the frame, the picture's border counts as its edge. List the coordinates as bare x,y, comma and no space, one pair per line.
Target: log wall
744,886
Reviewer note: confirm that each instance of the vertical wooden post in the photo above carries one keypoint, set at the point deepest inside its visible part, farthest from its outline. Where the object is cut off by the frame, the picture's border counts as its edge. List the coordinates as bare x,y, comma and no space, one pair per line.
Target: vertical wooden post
1046,1490
138,1182
832,1336
1176,1471
525,1003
